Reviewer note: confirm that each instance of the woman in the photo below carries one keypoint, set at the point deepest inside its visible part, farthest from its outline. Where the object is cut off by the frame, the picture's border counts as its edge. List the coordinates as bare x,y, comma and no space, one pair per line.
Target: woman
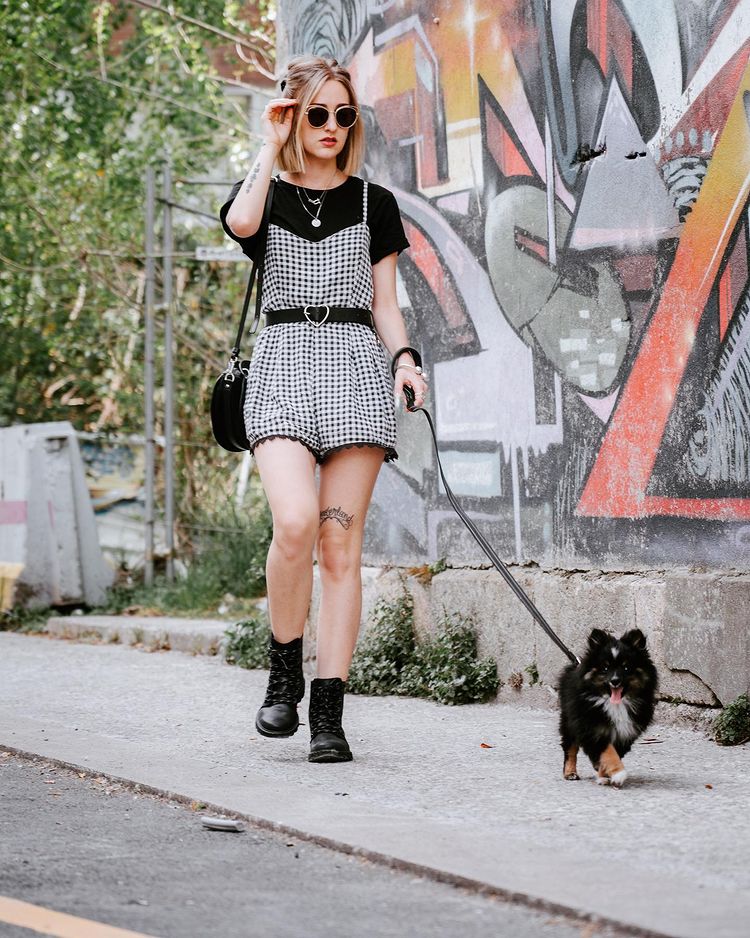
320,388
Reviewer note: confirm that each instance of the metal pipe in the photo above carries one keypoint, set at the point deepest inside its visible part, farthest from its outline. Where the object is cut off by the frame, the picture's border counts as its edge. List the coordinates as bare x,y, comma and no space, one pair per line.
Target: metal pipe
168,368
148,379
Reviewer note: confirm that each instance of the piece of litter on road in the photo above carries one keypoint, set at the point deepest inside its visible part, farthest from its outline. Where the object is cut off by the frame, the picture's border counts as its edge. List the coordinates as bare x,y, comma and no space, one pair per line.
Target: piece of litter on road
485,746
709,786
223,824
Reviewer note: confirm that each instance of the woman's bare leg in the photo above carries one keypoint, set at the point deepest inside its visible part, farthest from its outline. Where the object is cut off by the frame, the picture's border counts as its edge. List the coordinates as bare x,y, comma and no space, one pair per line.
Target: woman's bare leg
287,471
347,479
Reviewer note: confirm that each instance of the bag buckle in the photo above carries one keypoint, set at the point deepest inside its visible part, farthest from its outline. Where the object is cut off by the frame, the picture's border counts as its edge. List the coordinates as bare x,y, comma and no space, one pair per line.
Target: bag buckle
317,322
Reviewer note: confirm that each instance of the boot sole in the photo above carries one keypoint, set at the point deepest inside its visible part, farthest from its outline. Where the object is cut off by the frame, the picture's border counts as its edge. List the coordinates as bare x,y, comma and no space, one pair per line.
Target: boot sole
329,755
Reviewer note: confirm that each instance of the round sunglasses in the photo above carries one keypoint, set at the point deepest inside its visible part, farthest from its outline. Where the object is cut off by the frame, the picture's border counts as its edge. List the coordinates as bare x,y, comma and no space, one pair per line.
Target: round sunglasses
346,115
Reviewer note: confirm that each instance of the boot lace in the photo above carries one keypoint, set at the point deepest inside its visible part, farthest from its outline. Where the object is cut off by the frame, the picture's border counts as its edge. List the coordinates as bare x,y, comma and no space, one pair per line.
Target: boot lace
325,715
285,680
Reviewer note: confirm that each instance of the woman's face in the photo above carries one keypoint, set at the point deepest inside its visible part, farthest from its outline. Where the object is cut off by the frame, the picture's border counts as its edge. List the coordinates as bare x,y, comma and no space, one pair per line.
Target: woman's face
328,141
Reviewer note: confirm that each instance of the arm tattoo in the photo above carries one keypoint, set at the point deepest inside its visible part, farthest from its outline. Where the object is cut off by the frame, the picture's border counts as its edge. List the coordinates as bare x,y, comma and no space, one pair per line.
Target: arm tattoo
253,174
337,514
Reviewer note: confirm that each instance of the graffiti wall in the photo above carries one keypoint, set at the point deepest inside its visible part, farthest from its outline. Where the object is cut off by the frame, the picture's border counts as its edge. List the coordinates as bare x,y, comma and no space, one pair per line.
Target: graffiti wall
574,177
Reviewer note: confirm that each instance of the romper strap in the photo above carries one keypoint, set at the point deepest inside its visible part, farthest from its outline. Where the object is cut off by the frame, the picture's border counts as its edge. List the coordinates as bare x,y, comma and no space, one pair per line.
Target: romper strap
364,202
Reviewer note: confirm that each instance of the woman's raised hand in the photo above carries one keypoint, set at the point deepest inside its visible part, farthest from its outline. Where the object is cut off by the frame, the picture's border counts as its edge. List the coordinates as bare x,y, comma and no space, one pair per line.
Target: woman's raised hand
276,120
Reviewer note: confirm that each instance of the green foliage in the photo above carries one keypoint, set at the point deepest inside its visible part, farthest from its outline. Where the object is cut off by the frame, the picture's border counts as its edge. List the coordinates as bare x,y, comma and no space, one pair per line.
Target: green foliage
444,667
386,649
225,563
20,619
533,673
247,643
732,726
91,93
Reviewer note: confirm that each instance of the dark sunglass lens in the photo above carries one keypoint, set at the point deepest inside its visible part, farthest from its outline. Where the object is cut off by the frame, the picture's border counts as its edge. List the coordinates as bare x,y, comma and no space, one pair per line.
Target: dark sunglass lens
346,116
317,116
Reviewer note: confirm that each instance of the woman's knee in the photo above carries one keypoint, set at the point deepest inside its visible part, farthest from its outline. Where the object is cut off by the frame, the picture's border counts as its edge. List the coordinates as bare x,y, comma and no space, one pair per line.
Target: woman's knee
294,532
339,557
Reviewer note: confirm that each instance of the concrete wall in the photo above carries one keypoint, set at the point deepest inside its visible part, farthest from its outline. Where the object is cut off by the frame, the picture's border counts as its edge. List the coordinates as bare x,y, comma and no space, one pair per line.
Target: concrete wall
574,180
47,528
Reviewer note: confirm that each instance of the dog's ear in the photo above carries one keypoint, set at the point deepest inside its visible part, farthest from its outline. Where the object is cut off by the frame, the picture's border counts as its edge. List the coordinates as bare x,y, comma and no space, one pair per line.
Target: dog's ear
635,638
598,638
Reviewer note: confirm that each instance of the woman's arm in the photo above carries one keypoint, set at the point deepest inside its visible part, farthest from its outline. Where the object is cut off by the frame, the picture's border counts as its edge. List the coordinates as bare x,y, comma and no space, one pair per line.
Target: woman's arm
246,212
390,325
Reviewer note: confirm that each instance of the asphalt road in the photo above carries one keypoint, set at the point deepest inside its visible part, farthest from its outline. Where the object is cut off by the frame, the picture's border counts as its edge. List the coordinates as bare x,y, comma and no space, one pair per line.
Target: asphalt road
95,849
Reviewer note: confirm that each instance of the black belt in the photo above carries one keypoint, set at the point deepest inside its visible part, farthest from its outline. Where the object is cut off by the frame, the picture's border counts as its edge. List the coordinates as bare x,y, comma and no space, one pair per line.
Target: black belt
317,315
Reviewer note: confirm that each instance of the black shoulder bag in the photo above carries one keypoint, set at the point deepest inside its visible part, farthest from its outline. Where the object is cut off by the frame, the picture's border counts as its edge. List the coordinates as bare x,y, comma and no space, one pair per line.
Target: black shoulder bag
228,397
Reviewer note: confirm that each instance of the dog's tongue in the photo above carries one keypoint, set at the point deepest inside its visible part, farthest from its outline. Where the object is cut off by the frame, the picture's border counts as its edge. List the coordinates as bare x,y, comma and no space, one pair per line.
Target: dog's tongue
616,695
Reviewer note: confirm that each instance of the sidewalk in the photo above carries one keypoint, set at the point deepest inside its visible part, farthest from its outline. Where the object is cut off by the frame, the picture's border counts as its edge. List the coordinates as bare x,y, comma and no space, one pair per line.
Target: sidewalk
669,854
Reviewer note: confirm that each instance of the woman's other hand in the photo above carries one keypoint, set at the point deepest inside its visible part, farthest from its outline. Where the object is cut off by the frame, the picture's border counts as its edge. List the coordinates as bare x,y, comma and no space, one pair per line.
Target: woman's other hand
276,121
417,383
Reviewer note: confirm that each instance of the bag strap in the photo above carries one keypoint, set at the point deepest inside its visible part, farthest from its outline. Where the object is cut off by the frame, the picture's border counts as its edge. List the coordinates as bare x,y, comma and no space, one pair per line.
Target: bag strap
258,265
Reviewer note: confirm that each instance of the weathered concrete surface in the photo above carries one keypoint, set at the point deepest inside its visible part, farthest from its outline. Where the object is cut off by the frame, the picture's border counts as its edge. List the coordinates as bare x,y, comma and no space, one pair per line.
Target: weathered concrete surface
693,670
156,633
422,792
707,631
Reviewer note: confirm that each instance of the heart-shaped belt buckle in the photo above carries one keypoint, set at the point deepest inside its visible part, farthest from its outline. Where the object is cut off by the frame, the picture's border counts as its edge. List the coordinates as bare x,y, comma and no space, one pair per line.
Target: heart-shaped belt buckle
317,322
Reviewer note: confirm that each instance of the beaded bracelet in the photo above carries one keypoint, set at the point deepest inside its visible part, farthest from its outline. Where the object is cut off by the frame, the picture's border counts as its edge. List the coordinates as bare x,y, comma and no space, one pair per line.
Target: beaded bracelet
414,354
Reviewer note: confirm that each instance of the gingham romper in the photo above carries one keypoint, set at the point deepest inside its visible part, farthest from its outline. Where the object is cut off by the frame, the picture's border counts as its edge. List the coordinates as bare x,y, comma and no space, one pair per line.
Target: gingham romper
328,386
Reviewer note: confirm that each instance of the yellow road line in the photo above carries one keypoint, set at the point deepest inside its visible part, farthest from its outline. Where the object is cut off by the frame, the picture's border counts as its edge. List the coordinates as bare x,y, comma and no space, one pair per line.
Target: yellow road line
58,924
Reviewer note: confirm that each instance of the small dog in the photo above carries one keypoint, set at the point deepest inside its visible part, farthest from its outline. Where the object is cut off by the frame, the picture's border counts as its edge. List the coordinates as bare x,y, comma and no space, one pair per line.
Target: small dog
606,702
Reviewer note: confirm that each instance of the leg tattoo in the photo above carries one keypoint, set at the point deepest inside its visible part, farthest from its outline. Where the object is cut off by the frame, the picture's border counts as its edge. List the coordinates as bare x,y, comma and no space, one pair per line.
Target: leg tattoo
337,514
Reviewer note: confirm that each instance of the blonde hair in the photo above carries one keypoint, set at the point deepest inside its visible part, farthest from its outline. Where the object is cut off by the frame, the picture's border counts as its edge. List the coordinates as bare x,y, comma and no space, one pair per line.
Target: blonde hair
304,77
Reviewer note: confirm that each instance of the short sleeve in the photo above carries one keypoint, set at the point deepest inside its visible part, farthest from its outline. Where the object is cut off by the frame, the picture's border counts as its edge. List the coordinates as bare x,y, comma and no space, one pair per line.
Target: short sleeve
248,245
386,228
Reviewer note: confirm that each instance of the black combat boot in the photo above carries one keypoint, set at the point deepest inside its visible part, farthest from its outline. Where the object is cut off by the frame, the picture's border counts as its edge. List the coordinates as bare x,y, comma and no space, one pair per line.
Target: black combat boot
286,687
327,740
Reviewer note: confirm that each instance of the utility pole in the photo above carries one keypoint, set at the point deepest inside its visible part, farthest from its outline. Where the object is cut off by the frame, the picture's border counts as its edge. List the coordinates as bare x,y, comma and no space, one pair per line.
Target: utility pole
167,251
148,380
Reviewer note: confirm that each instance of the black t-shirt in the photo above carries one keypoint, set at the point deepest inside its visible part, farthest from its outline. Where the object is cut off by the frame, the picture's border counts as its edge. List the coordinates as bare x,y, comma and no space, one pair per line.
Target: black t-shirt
342,208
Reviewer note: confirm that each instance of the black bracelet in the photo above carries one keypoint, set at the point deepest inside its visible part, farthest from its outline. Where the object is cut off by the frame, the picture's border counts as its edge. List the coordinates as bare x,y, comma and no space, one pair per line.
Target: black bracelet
414,354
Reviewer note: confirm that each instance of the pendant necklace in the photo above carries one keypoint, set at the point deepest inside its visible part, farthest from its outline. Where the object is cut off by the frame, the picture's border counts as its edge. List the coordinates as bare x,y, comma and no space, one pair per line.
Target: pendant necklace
315,219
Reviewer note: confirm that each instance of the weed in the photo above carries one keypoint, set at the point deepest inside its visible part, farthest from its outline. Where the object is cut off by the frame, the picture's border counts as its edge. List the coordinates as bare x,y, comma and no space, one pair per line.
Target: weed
137,638
516,680
732,726
247,643
230,558
114,638
444,667
20,619
386,649
533,673
427,571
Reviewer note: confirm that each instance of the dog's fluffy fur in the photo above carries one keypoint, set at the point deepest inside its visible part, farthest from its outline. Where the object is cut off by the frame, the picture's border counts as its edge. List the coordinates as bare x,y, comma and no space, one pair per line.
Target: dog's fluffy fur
606,702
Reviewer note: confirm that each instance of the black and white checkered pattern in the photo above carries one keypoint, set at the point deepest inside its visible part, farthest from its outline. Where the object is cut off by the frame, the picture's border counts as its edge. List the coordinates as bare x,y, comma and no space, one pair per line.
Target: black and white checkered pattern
328,386
336,270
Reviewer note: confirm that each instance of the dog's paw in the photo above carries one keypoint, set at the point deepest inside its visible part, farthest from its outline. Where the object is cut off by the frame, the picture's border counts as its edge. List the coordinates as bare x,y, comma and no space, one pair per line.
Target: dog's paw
572,777
619,778
602,780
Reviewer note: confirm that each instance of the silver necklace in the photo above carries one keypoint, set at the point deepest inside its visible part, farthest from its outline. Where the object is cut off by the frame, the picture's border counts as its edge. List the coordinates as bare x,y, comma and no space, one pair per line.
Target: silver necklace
315,219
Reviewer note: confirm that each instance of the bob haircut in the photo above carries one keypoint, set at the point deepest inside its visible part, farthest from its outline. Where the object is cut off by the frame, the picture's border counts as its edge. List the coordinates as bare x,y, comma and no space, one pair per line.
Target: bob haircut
305,76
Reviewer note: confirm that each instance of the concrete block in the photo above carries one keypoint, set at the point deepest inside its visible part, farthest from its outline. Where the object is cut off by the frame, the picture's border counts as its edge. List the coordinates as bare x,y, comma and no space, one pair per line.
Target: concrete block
706,632
693,667
46,518
156,633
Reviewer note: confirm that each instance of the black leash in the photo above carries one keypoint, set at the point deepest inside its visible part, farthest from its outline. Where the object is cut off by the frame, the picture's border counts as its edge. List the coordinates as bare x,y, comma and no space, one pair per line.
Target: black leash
480,539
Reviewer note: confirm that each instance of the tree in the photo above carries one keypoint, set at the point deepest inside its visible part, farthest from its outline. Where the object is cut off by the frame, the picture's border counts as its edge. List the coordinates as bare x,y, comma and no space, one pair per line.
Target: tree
93,91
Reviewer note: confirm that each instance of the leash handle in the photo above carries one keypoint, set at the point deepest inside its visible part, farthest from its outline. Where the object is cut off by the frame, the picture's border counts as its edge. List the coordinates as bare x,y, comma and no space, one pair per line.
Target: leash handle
483,543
